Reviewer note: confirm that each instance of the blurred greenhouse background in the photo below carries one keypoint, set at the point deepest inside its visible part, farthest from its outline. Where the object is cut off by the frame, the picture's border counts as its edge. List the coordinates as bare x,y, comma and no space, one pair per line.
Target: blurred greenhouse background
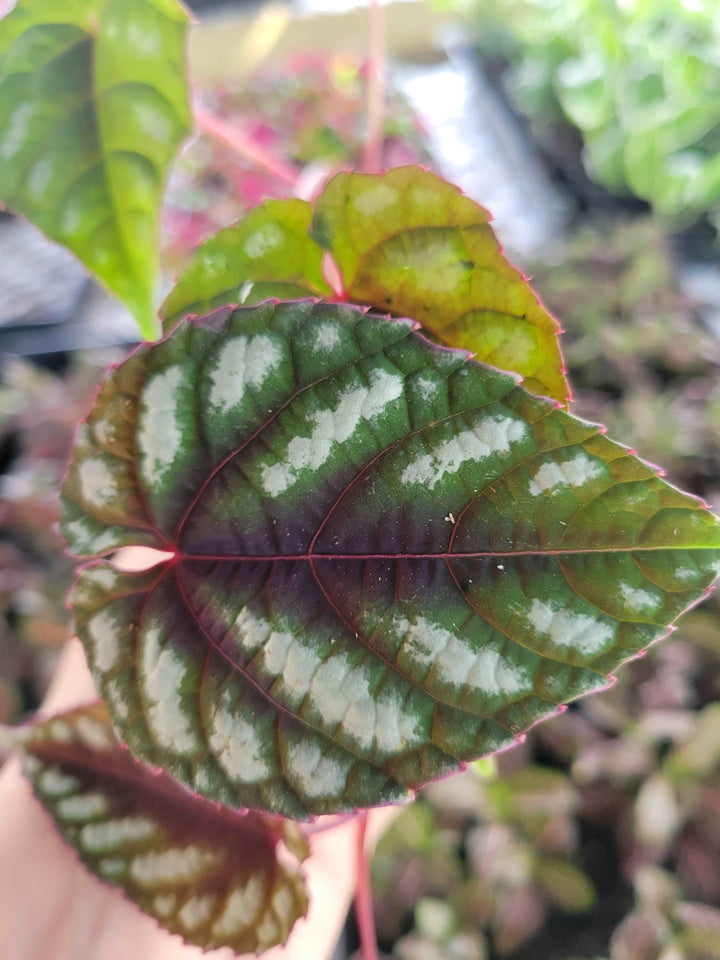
591,129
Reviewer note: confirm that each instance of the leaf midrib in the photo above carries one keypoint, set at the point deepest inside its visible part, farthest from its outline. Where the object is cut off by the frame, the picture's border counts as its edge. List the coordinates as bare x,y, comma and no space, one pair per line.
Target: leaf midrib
182,557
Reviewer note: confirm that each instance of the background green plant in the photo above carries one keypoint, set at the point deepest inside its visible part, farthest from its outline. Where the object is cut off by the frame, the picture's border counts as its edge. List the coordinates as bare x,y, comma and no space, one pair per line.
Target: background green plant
639,80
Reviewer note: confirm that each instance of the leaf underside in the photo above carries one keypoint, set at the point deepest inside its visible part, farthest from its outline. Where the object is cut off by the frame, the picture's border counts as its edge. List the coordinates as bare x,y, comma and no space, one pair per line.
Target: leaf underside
404,241
387,559
93,106
209,874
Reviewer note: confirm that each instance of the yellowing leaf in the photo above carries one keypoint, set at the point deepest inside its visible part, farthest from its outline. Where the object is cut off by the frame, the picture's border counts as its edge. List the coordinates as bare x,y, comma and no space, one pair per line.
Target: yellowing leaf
410,243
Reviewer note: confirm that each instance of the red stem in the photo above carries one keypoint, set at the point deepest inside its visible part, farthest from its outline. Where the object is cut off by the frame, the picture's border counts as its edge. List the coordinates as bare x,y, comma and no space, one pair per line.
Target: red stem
363,896
244,145
372,156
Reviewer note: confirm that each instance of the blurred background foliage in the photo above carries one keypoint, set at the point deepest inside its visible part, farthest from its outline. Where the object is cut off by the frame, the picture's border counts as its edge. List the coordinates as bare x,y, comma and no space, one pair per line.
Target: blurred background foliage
598,836
636,82
310,111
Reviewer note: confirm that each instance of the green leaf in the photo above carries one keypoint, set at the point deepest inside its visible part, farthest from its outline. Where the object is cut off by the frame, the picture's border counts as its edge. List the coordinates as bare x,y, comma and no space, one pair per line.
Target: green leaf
93,106
386,559
404,241
585,94
210,874
699,935
567,887
269,253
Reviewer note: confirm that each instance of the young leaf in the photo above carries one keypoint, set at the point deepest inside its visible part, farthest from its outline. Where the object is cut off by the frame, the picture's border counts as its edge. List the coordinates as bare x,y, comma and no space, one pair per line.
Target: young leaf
404,241
387,559
267,254
93,105
210,874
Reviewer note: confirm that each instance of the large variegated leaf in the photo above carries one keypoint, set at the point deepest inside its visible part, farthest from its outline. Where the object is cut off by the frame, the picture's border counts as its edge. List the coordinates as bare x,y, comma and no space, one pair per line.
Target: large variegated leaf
93,106
210,874
385,558
404,241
